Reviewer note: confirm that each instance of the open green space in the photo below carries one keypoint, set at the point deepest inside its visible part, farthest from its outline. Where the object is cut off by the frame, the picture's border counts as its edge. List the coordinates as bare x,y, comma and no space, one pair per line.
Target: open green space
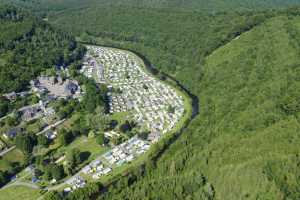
19,193
85,144
14,156
120,117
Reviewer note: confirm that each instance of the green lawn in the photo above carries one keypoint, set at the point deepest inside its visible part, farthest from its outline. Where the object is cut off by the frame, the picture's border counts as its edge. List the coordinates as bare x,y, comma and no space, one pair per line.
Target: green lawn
85,144
11,157
19,193
120,116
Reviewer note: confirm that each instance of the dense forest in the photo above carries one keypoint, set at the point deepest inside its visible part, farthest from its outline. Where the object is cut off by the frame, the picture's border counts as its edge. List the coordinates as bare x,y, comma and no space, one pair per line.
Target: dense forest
175,42
212,6
244,144
29,46
243,66
238,65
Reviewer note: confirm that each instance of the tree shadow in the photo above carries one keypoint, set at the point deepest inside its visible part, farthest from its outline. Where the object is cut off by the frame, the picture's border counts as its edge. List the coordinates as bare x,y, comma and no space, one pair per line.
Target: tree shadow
85,155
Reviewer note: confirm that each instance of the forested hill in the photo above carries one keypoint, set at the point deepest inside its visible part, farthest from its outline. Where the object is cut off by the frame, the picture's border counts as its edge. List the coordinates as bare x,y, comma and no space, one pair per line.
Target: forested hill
244,68
29,46
211,6
245,142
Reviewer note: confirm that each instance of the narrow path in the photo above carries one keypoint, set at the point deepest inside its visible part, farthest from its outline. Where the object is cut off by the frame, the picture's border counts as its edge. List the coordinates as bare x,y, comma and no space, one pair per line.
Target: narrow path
2,153
19,183
51,126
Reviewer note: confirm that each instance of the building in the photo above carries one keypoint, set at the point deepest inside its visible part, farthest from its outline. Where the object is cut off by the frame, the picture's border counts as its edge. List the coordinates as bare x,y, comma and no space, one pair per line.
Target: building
12,133
11,96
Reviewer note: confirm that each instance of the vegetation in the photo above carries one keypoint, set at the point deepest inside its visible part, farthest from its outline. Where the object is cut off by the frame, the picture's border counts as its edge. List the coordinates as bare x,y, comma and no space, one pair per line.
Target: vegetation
243,68
176,44
25,143
28,46
53,171
19,192
7,106
246,89
44,7
244,142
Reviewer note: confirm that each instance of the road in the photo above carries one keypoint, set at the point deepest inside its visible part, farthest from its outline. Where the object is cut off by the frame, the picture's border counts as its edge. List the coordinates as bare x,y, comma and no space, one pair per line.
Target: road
51,126
19,183
2,153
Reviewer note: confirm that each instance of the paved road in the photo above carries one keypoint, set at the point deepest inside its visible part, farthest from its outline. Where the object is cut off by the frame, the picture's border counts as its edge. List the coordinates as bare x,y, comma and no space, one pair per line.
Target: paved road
51,126
19,183
3,117
2,153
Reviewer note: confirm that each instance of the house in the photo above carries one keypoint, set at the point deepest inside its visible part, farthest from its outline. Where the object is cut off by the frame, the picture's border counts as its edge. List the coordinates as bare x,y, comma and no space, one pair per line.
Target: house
86,170
53,181
34,179
67,190
28,114
11,96
51,134
12,133
70,87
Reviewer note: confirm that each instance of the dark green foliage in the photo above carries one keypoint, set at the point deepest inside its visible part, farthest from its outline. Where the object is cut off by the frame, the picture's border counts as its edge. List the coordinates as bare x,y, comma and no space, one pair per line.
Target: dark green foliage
248,99
73,158
11,121
43,140
65,108
52,195
3,178
29,46
7,106
94,96
245,142
43,7
25,143
4,107
85,193
53,171
65,137
177,43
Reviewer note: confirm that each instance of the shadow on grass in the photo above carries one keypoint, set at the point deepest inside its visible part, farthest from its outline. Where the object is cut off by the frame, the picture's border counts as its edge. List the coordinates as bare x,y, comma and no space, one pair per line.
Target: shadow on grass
85,155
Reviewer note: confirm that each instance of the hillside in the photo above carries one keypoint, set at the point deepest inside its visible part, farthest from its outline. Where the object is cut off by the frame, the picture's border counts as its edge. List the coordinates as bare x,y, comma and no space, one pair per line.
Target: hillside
243,67
244,144
29,46
247,95
198,5
174,42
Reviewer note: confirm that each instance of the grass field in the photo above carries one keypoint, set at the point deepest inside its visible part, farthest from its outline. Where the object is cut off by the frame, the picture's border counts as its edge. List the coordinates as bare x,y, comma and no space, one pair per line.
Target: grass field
19,193
120,117
86,144
14,156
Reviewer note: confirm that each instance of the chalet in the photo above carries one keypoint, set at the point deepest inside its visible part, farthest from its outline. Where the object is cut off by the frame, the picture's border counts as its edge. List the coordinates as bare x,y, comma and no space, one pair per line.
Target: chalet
12,133
51,134
11,96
